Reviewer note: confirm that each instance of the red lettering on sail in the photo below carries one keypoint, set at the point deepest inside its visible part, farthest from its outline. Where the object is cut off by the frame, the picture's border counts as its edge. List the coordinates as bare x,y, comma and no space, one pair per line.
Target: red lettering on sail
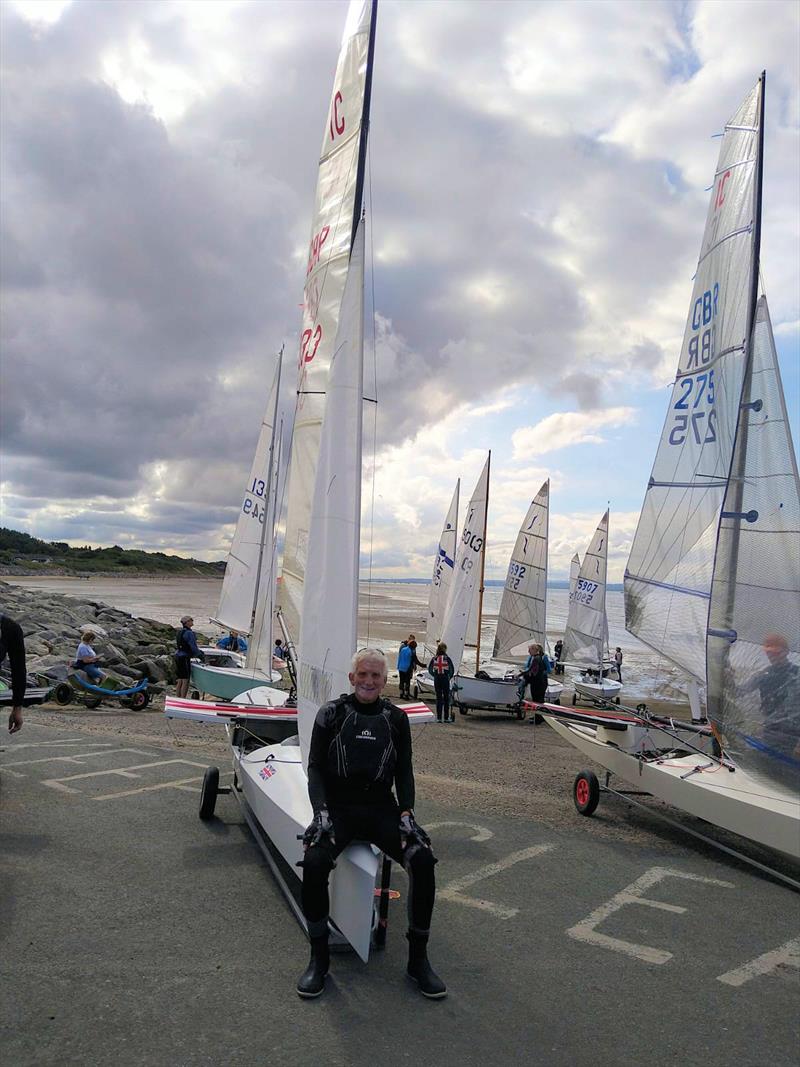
337,120
720,200
309,340
315,250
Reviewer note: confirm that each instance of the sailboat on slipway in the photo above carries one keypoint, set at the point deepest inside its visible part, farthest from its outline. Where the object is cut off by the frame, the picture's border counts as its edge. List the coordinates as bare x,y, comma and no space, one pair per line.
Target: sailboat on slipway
713,579
321,554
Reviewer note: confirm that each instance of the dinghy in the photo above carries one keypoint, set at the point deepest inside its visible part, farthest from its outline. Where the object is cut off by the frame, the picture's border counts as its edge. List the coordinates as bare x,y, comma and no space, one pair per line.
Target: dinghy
713,580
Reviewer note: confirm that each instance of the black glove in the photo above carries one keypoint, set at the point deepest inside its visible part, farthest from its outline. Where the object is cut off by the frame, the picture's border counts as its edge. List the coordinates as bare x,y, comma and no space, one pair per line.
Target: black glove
412,836
319,830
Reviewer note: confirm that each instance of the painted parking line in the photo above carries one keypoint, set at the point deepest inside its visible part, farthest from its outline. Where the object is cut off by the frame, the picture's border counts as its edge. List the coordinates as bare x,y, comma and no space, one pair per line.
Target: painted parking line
454,891
121,772
74,758
586,929
774,962
481,832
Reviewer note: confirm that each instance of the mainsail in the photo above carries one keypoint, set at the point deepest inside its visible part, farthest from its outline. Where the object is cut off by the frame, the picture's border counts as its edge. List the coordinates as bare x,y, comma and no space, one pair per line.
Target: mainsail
442,580
247,586
524,605
754,620
469,559
330,592
586,634
669,573
336,214
574,572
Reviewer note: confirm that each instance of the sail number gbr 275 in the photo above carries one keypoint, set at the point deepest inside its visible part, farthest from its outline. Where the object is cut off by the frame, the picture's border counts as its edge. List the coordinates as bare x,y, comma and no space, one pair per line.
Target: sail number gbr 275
694,416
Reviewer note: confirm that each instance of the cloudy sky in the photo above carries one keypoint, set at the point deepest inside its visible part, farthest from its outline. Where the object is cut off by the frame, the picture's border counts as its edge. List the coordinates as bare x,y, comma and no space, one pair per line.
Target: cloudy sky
536,203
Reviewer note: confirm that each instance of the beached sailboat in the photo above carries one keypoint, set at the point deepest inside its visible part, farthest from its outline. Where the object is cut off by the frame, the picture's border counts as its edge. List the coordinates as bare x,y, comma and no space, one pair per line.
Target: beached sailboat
713,581
442,579
247,596
325,531
586,634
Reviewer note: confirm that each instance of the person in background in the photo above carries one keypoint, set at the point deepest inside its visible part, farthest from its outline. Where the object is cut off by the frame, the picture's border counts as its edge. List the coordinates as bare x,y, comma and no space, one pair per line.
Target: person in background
534,674
558,649
404,659
279,655
361,787
442,669
618,662
186,649
233,642
86,659
12,644
778,687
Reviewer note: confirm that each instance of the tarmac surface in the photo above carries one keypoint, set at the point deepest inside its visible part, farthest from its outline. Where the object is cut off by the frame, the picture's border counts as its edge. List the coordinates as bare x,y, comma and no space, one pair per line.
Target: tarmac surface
133,933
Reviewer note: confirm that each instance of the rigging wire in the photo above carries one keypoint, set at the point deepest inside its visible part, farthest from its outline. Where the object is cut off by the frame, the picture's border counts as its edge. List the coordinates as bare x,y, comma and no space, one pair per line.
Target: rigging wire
375,383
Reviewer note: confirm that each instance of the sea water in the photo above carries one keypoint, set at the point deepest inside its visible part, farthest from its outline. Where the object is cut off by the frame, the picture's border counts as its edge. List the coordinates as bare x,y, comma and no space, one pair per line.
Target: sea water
388,612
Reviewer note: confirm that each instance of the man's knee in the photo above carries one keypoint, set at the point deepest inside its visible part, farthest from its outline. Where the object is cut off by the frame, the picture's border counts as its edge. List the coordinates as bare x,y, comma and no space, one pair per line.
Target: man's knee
422,862
317,863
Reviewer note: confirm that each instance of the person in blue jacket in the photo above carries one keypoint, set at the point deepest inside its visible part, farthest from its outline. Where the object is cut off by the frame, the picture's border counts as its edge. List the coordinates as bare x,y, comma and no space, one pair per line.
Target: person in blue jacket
405,659
185,650
233,642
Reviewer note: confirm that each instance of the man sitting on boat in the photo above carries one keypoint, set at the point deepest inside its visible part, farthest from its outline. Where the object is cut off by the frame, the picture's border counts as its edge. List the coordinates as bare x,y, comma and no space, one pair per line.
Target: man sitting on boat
233,642
778,687
360,749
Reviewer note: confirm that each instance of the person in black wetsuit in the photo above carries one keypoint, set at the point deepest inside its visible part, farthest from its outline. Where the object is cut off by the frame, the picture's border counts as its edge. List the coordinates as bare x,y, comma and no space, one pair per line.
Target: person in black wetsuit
186,649
360,748
12,644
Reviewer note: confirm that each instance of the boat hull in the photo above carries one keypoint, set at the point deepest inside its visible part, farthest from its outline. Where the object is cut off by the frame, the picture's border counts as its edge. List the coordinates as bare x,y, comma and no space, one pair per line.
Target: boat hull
501,694
603,689
226,683
276,789
733,800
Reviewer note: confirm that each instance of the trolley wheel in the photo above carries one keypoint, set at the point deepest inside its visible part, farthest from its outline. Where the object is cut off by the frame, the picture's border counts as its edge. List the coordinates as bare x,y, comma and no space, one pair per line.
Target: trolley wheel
63,693
520,712
574,699
557,702
140,700
617,701
461,709
208,794
586,792
415,692
92,702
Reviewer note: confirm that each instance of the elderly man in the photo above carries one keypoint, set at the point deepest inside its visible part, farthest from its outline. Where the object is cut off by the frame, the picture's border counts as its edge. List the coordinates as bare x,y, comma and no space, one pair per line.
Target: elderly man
360,749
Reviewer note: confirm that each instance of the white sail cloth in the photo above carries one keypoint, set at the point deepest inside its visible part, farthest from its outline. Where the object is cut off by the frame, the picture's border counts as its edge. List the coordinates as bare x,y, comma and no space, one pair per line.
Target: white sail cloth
668,578
326,274
586,633
523,608
469,556
442,580
754,622
246,587
330,592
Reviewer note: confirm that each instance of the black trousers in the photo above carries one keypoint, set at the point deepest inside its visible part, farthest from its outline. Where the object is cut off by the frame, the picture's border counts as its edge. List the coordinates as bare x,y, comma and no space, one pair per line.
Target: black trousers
405,681
442,686
380,826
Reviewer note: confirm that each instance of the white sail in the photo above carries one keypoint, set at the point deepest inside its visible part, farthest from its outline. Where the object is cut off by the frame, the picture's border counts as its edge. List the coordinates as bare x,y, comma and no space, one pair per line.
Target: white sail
332,232
246,585
574,574
330,592
668,578
471,636
523,608
754,621
442,580
469,556
585,637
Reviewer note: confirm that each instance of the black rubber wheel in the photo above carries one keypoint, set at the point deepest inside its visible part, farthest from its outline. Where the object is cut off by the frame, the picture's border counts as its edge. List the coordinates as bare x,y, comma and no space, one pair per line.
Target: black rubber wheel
92,702
462,710
140,700
63,693
520,712
208,794
586,792
574,699
557,702
617,701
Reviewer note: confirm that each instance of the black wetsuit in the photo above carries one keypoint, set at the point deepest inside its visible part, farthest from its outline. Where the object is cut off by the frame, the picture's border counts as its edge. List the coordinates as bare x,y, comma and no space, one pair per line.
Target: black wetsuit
12,644
358,752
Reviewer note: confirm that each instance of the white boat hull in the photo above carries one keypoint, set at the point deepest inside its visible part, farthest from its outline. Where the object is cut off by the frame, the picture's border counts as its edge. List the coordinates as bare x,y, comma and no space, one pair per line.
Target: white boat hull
733,800
276,789
605,689
500,693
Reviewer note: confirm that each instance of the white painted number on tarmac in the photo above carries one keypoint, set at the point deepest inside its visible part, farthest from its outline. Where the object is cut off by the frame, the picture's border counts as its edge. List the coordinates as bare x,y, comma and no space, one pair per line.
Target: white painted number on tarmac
481,833
453,891
586,929
788,955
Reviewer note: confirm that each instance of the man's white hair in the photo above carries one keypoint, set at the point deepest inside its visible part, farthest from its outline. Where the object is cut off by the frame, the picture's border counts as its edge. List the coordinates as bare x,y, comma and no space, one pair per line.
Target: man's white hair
368,653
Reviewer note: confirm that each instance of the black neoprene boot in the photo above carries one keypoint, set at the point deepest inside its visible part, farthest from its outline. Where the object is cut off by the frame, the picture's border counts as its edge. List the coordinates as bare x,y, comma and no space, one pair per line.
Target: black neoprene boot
419,967
312,981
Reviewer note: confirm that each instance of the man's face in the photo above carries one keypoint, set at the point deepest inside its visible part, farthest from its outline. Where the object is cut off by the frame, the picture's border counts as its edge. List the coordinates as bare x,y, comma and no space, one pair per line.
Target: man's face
368,679
775,649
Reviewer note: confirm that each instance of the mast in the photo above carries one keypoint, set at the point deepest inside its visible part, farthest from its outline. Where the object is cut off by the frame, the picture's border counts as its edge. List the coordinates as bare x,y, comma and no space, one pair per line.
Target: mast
546,562
483,565
272,499
364,132
739,451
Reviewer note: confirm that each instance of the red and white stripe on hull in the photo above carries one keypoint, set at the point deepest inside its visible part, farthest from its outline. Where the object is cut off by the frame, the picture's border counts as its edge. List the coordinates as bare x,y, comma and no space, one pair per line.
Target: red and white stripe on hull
221,711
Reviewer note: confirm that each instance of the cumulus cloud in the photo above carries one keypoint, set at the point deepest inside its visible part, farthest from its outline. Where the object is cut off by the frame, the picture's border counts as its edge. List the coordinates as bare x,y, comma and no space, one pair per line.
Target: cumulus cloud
566,428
